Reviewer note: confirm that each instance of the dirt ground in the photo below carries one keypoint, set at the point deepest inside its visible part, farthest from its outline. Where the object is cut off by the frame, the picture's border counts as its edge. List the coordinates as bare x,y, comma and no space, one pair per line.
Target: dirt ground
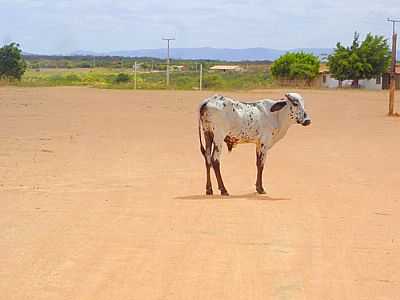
102,197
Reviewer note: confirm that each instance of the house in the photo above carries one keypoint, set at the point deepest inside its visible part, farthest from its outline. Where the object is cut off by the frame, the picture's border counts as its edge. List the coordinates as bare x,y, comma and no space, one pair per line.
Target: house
326,80
226,68
177,68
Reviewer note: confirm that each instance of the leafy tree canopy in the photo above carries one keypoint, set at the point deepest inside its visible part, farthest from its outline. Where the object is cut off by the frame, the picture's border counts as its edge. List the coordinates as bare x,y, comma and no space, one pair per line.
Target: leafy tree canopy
296,65
365,60
12,64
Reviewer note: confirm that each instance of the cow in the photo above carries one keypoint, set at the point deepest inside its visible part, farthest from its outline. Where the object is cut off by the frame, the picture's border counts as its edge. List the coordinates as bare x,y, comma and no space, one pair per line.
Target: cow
262,123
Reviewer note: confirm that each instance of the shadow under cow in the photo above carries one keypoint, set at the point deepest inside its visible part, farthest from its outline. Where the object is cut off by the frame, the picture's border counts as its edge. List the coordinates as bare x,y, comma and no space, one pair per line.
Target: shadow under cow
248,196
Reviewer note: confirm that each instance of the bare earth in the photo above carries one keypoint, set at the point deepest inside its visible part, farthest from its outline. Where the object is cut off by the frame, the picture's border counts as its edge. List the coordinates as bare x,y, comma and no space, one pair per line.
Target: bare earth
102,197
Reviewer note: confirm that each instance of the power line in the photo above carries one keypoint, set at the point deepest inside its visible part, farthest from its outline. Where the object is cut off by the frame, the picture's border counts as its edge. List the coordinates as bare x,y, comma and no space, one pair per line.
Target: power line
394,21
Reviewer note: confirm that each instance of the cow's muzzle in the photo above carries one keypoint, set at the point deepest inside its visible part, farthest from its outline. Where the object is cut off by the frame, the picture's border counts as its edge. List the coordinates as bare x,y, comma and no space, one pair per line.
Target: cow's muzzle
306,122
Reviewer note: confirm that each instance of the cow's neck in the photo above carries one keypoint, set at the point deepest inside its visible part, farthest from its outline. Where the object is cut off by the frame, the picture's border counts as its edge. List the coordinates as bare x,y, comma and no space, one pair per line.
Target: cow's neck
283,122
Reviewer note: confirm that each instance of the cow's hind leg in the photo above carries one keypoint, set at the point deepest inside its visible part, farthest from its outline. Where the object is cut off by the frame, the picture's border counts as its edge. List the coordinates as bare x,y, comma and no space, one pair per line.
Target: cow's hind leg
261,152
208,136
215,160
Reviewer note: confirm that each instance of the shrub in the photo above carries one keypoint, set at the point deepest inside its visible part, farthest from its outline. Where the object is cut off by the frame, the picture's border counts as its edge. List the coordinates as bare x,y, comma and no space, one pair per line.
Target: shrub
212,81
121,78
72,78
12,64
84,65
298,65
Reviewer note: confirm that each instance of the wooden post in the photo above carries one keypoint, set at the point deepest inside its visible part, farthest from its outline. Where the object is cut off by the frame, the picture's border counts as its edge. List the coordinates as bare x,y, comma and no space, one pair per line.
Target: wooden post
201,77
393,76
135,70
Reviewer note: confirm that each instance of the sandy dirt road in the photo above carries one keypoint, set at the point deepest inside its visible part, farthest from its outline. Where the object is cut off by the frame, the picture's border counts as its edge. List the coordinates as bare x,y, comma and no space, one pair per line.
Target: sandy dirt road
102,197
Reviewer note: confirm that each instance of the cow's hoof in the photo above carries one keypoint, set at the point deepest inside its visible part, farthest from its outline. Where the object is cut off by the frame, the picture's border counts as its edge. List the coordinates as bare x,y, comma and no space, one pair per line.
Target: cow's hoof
224,193
260,190
209,192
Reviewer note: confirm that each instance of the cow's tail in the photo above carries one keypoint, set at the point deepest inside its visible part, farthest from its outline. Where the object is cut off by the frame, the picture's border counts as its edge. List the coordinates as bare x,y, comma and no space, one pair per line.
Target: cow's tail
202,149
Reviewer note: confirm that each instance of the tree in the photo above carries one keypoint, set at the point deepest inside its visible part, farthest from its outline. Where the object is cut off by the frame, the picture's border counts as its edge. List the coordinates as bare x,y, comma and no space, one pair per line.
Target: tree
296,65
12,64
367,60
338,63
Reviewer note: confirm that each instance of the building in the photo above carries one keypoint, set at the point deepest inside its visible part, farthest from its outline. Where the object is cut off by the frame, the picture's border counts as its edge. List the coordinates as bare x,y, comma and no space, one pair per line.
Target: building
223,68
177,68
326,80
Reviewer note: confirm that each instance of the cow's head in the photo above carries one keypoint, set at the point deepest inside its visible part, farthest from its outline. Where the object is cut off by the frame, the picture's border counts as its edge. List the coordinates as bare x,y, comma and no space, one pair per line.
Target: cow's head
297,111
294,104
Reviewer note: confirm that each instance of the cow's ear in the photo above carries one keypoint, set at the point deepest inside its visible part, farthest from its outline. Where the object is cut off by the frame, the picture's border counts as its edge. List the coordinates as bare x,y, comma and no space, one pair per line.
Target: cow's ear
278,106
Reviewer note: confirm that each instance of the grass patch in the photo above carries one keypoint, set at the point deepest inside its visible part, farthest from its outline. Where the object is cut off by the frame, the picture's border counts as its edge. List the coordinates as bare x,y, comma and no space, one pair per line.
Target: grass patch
124,79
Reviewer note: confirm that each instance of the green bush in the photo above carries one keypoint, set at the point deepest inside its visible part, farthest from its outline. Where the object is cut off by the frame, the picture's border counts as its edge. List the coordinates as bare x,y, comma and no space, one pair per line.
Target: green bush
56,78
121,78
84,65
12,64
72,78
296,65
212,81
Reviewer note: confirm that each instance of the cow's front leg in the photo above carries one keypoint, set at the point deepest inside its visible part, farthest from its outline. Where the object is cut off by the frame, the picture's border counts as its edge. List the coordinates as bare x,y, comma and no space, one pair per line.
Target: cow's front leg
216,166
261,152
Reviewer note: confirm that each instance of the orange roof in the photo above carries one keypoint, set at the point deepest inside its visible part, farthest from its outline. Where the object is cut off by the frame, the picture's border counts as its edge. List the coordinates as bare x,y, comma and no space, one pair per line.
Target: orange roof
323,68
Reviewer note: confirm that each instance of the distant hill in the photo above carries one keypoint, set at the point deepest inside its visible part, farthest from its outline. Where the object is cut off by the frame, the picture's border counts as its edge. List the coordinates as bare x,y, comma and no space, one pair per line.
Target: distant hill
226,54
208,53
28,54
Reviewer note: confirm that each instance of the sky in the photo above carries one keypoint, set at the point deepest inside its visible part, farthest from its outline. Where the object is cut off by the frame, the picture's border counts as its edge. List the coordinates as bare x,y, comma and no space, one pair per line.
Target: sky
64,26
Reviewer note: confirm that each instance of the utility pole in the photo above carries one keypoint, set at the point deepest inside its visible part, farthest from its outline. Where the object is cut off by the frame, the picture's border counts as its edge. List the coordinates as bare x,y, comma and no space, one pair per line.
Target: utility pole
393,67
168,41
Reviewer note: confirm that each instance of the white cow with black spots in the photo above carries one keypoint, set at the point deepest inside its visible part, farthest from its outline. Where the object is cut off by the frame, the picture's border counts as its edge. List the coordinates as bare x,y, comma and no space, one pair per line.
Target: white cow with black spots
262,123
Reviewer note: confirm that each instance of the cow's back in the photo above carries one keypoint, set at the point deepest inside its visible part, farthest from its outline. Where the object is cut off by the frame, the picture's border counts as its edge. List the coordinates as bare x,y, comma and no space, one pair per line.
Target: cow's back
240,120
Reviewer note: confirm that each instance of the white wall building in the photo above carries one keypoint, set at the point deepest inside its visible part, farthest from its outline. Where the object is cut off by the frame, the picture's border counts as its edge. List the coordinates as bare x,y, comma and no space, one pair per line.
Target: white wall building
327,81
225,68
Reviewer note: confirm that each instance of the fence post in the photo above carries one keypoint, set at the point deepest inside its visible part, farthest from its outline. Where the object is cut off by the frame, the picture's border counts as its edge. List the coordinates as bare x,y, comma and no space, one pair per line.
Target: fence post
201,77
135,69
